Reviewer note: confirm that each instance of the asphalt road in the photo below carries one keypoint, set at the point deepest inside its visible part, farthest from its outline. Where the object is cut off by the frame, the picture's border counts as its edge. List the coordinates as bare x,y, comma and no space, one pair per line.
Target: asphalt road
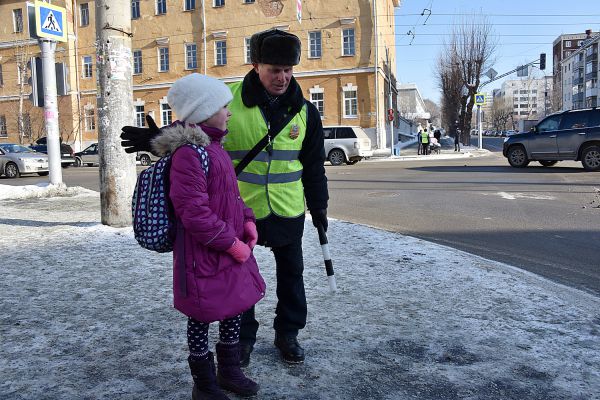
545,220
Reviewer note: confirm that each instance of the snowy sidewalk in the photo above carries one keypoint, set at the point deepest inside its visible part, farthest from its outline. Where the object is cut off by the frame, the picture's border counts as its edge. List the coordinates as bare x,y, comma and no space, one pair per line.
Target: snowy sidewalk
86,314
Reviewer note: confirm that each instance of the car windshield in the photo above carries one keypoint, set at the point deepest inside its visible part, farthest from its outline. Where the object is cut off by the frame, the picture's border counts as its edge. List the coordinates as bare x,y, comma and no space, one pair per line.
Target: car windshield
15,148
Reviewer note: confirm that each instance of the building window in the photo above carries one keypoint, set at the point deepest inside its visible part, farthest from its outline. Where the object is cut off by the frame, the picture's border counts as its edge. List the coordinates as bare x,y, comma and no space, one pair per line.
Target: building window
568,43
84,14
135,9
87,66
579,43
140,116
348,42
161,7
189,5
191,60
350,102
1,77
248,1
588,67
89,120
317,99
137,62
18,20
166,115
3,130
220,52
163,59
219,3
314,40
247,57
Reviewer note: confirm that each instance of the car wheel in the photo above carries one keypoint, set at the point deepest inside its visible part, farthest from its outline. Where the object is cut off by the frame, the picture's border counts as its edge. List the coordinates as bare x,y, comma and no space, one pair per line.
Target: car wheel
78,162
145,160
590,158
44,173
517,157
336,157
11,170
351,162
547,163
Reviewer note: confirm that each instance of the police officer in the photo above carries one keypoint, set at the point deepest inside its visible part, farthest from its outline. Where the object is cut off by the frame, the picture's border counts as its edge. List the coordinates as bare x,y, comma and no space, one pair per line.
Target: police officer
278,180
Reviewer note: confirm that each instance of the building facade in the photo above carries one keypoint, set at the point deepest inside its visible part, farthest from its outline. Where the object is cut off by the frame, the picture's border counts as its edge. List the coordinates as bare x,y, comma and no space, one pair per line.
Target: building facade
348,51
531,98
579,74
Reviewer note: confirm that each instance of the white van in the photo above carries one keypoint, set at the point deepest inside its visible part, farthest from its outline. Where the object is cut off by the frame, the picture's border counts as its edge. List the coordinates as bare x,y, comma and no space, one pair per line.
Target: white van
348,144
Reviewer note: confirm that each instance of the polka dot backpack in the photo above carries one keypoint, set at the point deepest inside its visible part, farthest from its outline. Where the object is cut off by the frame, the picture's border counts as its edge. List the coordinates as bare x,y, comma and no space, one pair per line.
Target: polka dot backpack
153,216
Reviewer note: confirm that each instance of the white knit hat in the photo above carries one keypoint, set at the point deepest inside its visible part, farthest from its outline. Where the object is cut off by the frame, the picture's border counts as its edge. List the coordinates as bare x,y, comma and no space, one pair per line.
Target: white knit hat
196,97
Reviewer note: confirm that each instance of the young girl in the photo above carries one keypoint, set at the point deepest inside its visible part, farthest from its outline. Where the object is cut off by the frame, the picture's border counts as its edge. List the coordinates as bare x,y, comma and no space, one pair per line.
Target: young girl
215,275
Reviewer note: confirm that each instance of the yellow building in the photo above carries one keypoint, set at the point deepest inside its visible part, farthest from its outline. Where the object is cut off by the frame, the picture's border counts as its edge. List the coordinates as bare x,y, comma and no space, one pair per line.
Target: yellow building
342,41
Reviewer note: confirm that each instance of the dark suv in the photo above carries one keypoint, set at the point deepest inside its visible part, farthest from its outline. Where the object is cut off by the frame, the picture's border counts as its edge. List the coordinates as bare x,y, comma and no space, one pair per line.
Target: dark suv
568,135
67,157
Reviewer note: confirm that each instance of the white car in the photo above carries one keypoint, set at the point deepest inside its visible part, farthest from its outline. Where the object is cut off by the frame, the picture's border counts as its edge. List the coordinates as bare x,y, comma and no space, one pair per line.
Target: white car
346,144
16,159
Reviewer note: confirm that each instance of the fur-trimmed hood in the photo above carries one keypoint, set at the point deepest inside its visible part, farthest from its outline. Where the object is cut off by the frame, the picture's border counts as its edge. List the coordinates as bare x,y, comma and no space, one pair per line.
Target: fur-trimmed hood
176,135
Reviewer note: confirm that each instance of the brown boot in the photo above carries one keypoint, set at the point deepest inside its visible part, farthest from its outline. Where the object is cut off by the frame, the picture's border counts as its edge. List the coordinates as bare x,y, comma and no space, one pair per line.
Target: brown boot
205,385
230,376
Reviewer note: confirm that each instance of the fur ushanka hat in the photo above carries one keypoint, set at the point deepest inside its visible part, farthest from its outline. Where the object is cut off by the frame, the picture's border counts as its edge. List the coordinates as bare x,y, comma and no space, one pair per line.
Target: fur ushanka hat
196,97
275,47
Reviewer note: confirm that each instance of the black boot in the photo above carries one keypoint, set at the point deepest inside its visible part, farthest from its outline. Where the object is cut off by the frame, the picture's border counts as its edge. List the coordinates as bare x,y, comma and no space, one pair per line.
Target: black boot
245,351
290,349
230,376
205,382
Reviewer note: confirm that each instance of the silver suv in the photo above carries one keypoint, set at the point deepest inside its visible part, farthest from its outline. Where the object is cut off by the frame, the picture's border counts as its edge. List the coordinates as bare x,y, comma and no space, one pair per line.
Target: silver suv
569,135
348,144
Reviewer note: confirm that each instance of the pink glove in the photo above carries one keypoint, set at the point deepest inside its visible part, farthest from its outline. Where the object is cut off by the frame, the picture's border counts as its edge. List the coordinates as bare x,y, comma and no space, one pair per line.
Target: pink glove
250,233
239,251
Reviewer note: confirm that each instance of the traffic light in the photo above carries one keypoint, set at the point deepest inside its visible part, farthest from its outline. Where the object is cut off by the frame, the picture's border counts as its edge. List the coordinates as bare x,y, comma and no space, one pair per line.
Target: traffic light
390,114
36,81
542,61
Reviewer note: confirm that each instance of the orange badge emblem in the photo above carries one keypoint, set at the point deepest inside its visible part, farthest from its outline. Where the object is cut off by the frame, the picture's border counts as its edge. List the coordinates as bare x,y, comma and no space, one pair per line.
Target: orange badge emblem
294,132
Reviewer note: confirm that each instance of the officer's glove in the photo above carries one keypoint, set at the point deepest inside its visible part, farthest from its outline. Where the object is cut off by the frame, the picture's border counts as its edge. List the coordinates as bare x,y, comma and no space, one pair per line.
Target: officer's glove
319,218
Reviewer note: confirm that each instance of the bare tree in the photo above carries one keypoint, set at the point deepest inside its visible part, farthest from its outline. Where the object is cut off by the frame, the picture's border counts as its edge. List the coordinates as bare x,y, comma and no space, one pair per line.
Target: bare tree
434,111
22,54
450,83
501,112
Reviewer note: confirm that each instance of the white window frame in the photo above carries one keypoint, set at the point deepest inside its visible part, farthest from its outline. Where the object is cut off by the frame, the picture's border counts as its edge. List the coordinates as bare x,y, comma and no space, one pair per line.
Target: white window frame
349,88
313,45
166,113
567,43
87,68
247,58
160,58
188,58
137,7
220,52
89,118
221,3
189,5
139,117
17,14
84,14
317,90
156,7
353,37
141,62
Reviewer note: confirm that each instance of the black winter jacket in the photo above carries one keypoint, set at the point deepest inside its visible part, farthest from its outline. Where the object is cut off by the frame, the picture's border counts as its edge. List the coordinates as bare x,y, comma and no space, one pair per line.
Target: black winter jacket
275,231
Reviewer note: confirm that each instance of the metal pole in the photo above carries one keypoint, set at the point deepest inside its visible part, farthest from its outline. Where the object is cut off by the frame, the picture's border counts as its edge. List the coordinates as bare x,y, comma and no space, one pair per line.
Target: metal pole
51,110
204,34
376,44
387,60
115,109
479,126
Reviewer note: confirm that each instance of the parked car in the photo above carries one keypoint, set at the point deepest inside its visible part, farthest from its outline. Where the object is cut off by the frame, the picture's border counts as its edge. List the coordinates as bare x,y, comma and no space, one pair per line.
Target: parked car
568,135
66,152
348,144
16,160
146,158
88,156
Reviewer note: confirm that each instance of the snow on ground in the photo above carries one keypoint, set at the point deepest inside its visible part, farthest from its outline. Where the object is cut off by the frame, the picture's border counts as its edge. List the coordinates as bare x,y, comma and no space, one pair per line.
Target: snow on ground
86,314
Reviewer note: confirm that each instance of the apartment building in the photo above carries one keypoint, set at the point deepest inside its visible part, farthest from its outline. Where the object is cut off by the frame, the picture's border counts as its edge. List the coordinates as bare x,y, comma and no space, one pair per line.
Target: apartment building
579,72
531,98
348,49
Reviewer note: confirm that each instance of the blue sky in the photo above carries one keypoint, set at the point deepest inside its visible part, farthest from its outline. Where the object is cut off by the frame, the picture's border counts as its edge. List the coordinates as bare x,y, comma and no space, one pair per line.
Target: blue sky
523,29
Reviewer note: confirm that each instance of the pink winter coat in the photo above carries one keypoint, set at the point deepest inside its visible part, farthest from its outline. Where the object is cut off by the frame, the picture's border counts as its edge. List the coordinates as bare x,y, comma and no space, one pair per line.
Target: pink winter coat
208,284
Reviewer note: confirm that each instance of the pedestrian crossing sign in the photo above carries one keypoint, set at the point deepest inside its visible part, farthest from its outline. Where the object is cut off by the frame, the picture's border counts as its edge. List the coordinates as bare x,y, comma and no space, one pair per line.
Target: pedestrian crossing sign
479,99
50,21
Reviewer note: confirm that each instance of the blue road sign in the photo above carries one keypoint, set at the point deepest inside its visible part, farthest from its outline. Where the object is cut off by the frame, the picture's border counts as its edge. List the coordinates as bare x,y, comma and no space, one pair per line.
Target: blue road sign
50,21
479,99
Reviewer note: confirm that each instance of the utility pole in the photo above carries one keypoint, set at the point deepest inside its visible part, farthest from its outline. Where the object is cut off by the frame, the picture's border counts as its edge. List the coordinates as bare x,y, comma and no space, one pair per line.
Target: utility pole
391,105
115,109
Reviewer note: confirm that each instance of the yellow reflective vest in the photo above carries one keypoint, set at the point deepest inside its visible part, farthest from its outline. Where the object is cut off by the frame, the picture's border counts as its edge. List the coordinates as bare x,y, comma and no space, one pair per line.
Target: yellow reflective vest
271,183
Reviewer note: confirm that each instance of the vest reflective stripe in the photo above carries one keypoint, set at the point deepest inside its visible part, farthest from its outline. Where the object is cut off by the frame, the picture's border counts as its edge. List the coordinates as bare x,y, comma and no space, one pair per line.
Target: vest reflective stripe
271,183
285,155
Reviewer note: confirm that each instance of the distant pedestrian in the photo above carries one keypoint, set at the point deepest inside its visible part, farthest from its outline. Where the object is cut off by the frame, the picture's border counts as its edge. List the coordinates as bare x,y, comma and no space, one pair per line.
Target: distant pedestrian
457,140
425,142
419,145
437,135
215,275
